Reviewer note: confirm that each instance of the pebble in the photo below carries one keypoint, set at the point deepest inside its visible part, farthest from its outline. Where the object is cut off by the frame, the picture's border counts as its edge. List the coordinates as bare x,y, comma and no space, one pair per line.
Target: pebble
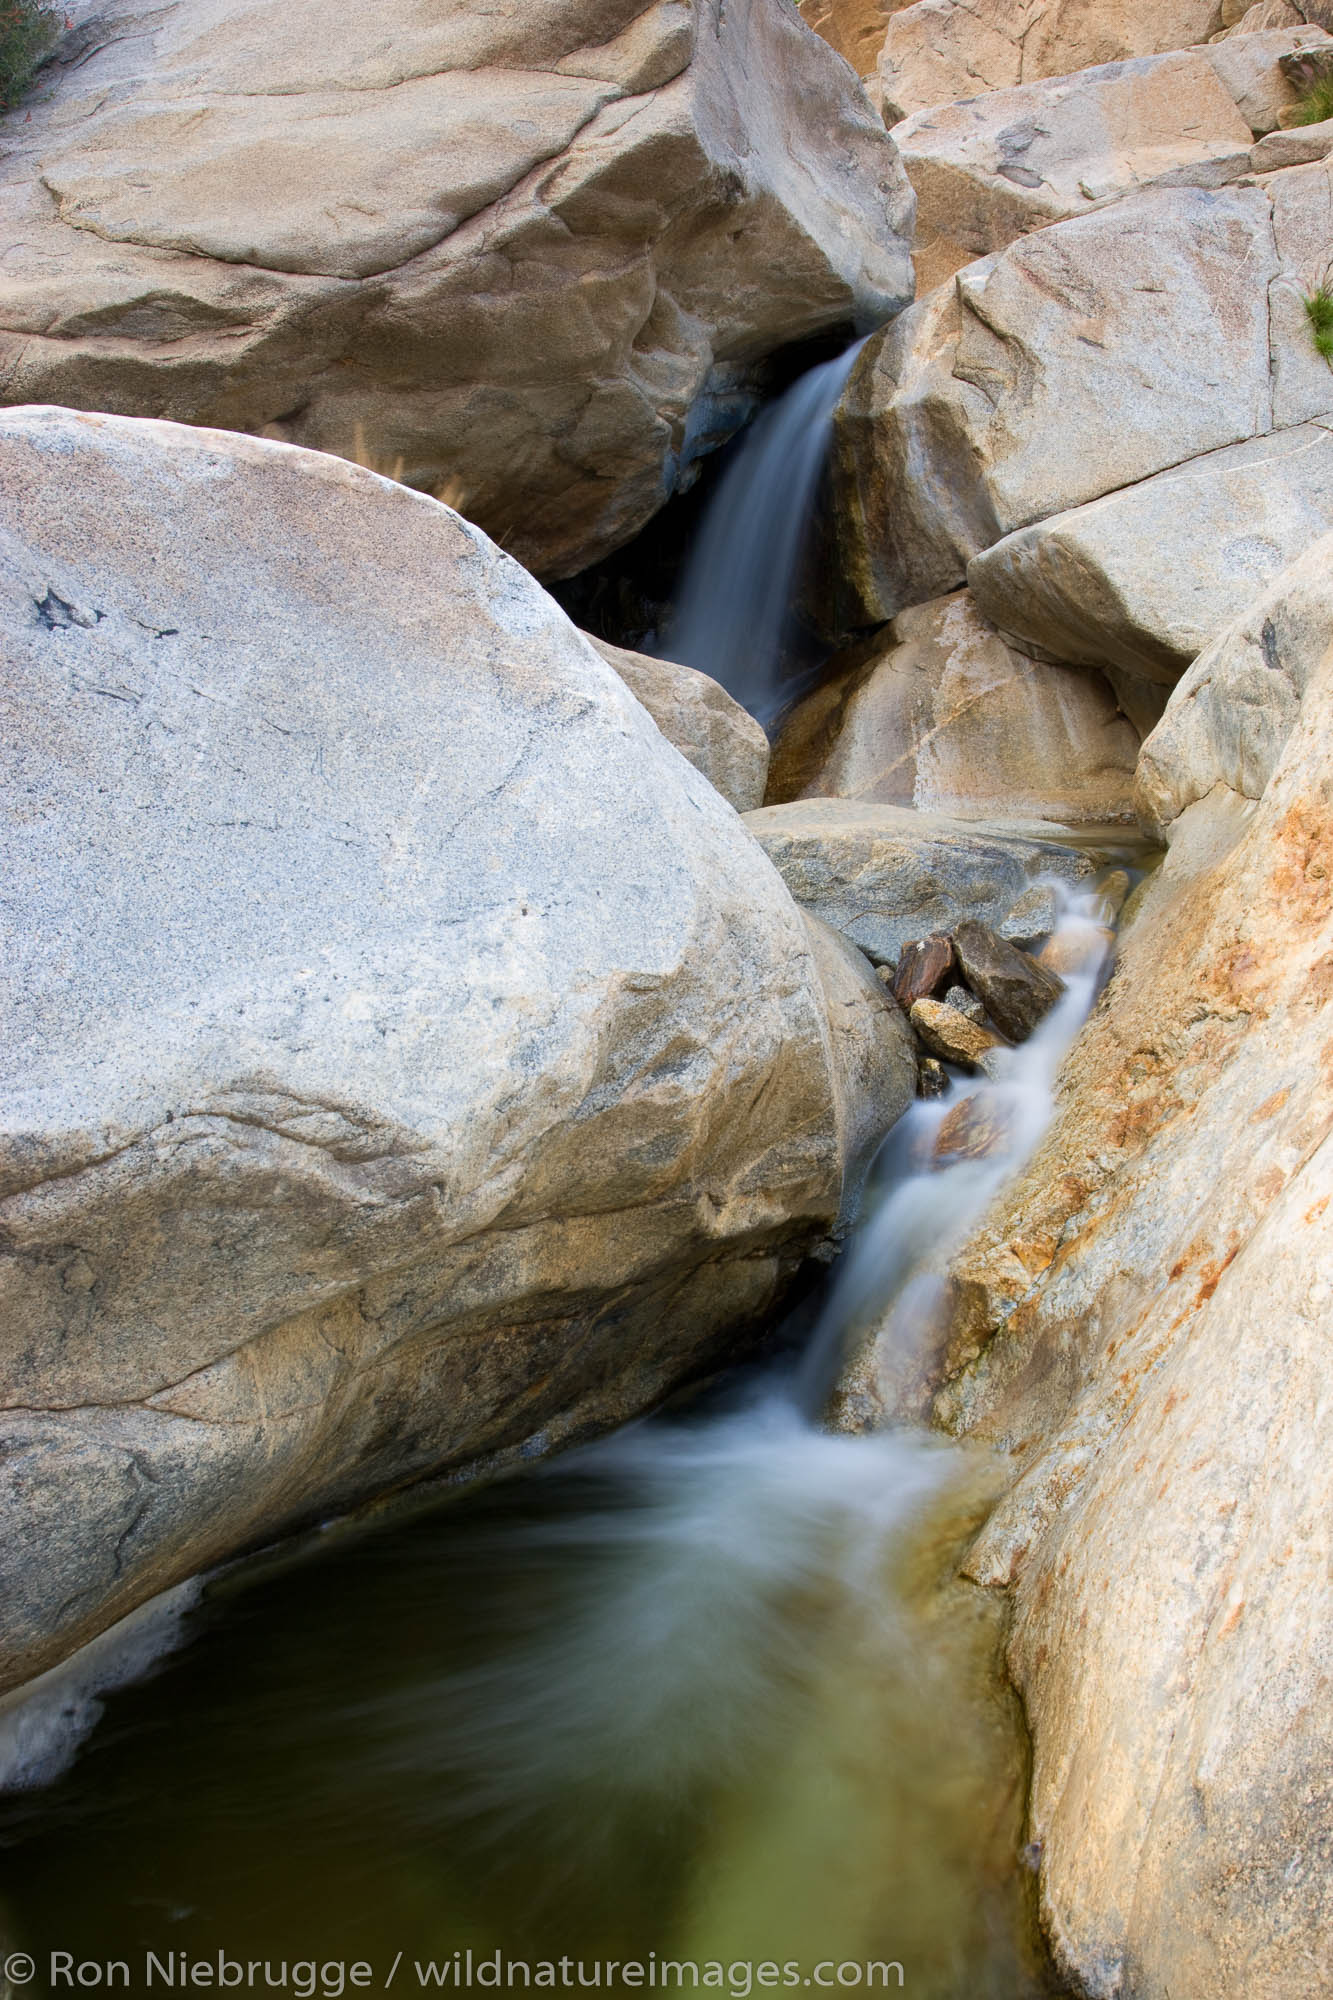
1076,951
932,1078
965,1002
974,1129
951,1036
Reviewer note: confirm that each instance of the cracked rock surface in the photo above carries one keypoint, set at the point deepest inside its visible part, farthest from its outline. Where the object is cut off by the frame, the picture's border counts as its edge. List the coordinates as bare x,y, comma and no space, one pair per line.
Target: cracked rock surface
1142,1325
409,1059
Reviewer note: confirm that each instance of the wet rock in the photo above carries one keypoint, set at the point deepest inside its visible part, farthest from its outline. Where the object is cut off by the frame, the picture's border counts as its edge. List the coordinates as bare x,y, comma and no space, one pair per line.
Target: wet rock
965,1002
976,1128
1144,579
523,256
1058,370
1112,891
1229,719
884,875
1079,948
692,711
923,967
1016,991
939,712
951,1035
1033,917
449,1071
932,1078
992,168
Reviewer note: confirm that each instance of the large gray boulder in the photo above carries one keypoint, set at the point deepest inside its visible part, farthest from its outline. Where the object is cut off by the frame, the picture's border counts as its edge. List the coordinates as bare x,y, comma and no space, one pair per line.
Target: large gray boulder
884,874
408,1059
1144,579
1087,356
528,257
1228,720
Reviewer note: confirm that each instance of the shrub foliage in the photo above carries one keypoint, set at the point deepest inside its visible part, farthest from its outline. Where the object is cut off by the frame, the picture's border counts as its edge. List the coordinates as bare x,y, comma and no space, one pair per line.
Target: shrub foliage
1319,312
28,33
1317,104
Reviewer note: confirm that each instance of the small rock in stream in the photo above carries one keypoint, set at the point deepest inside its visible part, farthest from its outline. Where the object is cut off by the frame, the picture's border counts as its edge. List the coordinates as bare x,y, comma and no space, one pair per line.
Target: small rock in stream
965,1002
923,966
973,1129
1015,989
1112,891
951,1036
932,1078
1033,917
1076,950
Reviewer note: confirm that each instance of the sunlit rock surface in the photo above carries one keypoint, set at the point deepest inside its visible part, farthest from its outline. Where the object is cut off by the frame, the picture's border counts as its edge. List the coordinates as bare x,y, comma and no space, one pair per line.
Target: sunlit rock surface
1142,1326
938,712
527,255
939,50
992,168
408,1056
1084,359
1230,717
1087,356
1144,579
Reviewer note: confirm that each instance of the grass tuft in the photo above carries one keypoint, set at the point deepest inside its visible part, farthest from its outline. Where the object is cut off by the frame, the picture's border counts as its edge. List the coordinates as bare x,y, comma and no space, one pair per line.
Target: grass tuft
28,32
1316,105
1319,312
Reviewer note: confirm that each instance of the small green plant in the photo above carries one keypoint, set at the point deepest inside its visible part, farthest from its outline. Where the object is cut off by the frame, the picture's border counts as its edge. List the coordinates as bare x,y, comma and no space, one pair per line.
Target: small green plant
1317,103
1319,312
28,33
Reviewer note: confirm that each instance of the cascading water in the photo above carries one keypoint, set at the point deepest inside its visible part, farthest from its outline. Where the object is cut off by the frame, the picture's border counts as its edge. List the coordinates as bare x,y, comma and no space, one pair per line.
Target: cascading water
733,613
668,1694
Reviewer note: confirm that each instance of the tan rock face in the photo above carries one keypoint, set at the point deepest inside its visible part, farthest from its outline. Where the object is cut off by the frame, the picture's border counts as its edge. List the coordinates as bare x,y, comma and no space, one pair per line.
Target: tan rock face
1143,1326
951,1035
1249,66
528,258
1231,715
1084,359
407,1056
1144,579
992,168
719,737
939,713
855,28
940,50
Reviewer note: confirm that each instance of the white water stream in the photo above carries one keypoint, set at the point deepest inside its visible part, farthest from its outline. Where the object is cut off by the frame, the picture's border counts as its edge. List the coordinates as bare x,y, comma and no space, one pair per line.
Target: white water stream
733,612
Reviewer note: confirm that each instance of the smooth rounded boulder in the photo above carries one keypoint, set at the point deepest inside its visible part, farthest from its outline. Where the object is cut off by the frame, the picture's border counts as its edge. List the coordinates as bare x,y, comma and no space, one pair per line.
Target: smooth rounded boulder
409,1060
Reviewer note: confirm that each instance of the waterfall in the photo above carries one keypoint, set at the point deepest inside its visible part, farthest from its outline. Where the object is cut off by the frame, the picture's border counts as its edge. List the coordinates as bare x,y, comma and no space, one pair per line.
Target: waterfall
891,1270
734,611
